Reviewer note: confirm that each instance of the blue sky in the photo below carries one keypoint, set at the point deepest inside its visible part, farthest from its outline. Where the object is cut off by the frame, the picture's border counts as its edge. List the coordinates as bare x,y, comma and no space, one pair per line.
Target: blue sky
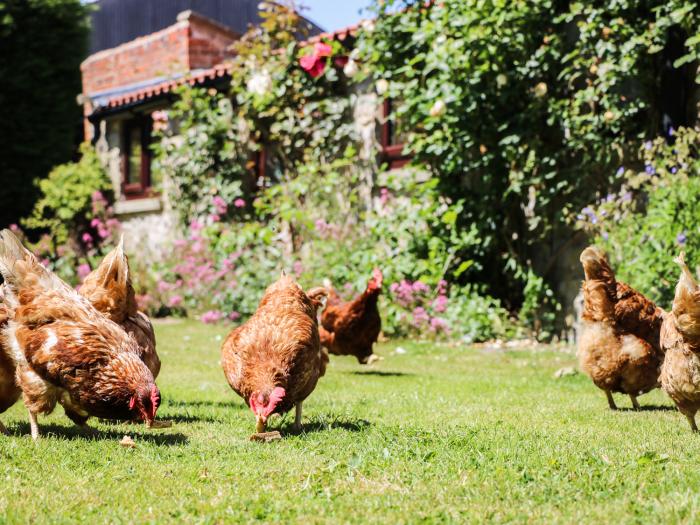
335,14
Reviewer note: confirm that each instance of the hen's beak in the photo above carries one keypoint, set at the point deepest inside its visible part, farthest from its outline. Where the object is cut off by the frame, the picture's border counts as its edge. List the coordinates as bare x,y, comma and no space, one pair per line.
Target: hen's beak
260,425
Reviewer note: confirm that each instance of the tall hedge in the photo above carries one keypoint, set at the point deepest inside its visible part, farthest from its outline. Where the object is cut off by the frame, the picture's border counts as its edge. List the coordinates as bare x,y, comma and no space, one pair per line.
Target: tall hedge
42,43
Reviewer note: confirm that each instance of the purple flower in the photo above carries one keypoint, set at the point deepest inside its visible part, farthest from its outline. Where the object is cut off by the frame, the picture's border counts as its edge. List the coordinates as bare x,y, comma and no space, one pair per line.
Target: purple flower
674,169
212,316
239,203
647,145
671,131
681,238
649,169
604,235
620,170
627,196
83,271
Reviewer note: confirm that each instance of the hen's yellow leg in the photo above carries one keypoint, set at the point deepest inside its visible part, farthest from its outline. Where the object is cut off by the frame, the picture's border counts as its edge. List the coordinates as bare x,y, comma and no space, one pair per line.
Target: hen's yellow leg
33,425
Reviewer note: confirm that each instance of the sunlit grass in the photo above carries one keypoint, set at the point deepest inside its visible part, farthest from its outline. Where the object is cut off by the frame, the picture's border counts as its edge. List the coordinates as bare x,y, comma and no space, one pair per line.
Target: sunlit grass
438,433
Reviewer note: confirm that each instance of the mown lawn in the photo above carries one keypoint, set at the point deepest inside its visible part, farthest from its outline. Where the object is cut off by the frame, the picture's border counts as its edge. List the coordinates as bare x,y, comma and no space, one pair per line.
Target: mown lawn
436,434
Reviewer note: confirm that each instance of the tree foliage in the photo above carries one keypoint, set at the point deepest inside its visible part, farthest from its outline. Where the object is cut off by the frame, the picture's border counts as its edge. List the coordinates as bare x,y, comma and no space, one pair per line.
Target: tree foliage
42,44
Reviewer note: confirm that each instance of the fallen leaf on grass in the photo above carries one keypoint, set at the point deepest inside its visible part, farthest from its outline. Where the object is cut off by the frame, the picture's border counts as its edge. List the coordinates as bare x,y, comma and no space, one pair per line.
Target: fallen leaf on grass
566,371
127,442
266,437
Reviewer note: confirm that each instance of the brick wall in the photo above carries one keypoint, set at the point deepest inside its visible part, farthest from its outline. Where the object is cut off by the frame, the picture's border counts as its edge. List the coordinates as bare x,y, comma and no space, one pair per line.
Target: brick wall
193,42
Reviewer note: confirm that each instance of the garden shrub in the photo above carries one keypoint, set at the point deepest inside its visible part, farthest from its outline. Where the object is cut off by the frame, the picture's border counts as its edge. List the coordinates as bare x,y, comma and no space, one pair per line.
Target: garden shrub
653,217
66,198
524,110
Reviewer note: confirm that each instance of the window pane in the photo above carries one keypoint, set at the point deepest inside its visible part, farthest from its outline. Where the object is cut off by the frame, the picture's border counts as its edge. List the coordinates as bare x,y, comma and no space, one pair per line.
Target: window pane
134,156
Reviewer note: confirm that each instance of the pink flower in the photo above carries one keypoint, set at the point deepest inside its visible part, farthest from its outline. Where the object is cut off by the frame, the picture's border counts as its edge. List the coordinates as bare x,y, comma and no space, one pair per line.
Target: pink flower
214,218
212,316
97,197
14,228
314,63
175,301
438,324
143,301
83,271
420,287
95,222
196,226
298,268
384,196
234,316
87,238
440,303
239,203
420,316
220,204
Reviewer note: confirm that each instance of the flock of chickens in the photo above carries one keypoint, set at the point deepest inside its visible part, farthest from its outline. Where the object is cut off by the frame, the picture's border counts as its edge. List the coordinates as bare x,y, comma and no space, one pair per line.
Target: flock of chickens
93,352
629,345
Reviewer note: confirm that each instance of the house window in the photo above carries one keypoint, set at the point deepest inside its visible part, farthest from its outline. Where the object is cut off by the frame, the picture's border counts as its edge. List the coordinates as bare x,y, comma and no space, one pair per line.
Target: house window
392,140
136,158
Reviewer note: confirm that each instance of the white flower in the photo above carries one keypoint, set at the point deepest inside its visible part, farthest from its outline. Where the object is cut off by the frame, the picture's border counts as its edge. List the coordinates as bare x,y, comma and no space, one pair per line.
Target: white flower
501,80
259,83
351,69
438,108
368,25
382,86
541,90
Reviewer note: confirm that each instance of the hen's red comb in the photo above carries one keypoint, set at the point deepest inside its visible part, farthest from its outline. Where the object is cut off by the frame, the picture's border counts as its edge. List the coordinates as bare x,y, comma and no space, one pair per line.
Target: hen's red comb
155,400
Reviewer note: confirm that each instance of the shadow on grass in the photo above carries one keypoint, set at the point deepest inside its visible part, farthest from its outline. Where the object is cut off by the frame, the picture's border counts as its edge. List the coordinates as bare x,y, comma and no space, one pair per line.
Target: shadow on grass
138,433
349,425
648,408
379,373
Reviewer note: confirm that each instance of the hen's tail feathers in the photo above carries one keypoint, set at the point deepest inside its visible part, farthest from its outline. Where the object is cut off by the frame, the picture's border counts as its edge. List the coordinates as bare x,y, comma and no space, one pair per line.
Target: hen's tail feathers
600,287
686,303
319,295
20,268
109,288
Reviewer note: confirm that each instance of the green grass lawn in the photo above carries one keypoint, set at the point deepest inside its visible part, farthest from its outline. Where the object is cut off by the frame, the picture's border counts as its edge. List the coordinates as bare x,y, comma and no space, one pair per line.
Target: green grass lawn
437,434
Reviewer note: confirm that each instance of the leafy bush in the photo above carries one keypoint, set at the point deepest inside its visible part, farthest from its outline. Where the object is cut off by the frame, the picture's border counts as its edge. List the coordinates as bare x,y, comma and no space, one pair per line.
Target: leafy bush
67,197
653,216
524,110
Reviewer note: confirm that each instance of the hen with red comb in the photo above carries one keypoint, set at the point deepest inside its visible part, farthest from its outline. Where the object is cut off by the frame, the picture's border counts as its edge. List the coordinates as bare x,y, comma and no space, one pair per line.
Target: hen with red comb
352,328
65,351
274,360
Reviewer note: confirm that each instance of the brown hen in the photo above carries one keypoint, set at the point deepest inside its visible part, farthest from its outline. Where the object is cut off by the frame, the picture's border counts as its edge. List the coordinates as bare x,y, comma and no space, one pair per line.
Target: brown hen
680,340
109,289
9,391
274,360
619,342
67,352
352,328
